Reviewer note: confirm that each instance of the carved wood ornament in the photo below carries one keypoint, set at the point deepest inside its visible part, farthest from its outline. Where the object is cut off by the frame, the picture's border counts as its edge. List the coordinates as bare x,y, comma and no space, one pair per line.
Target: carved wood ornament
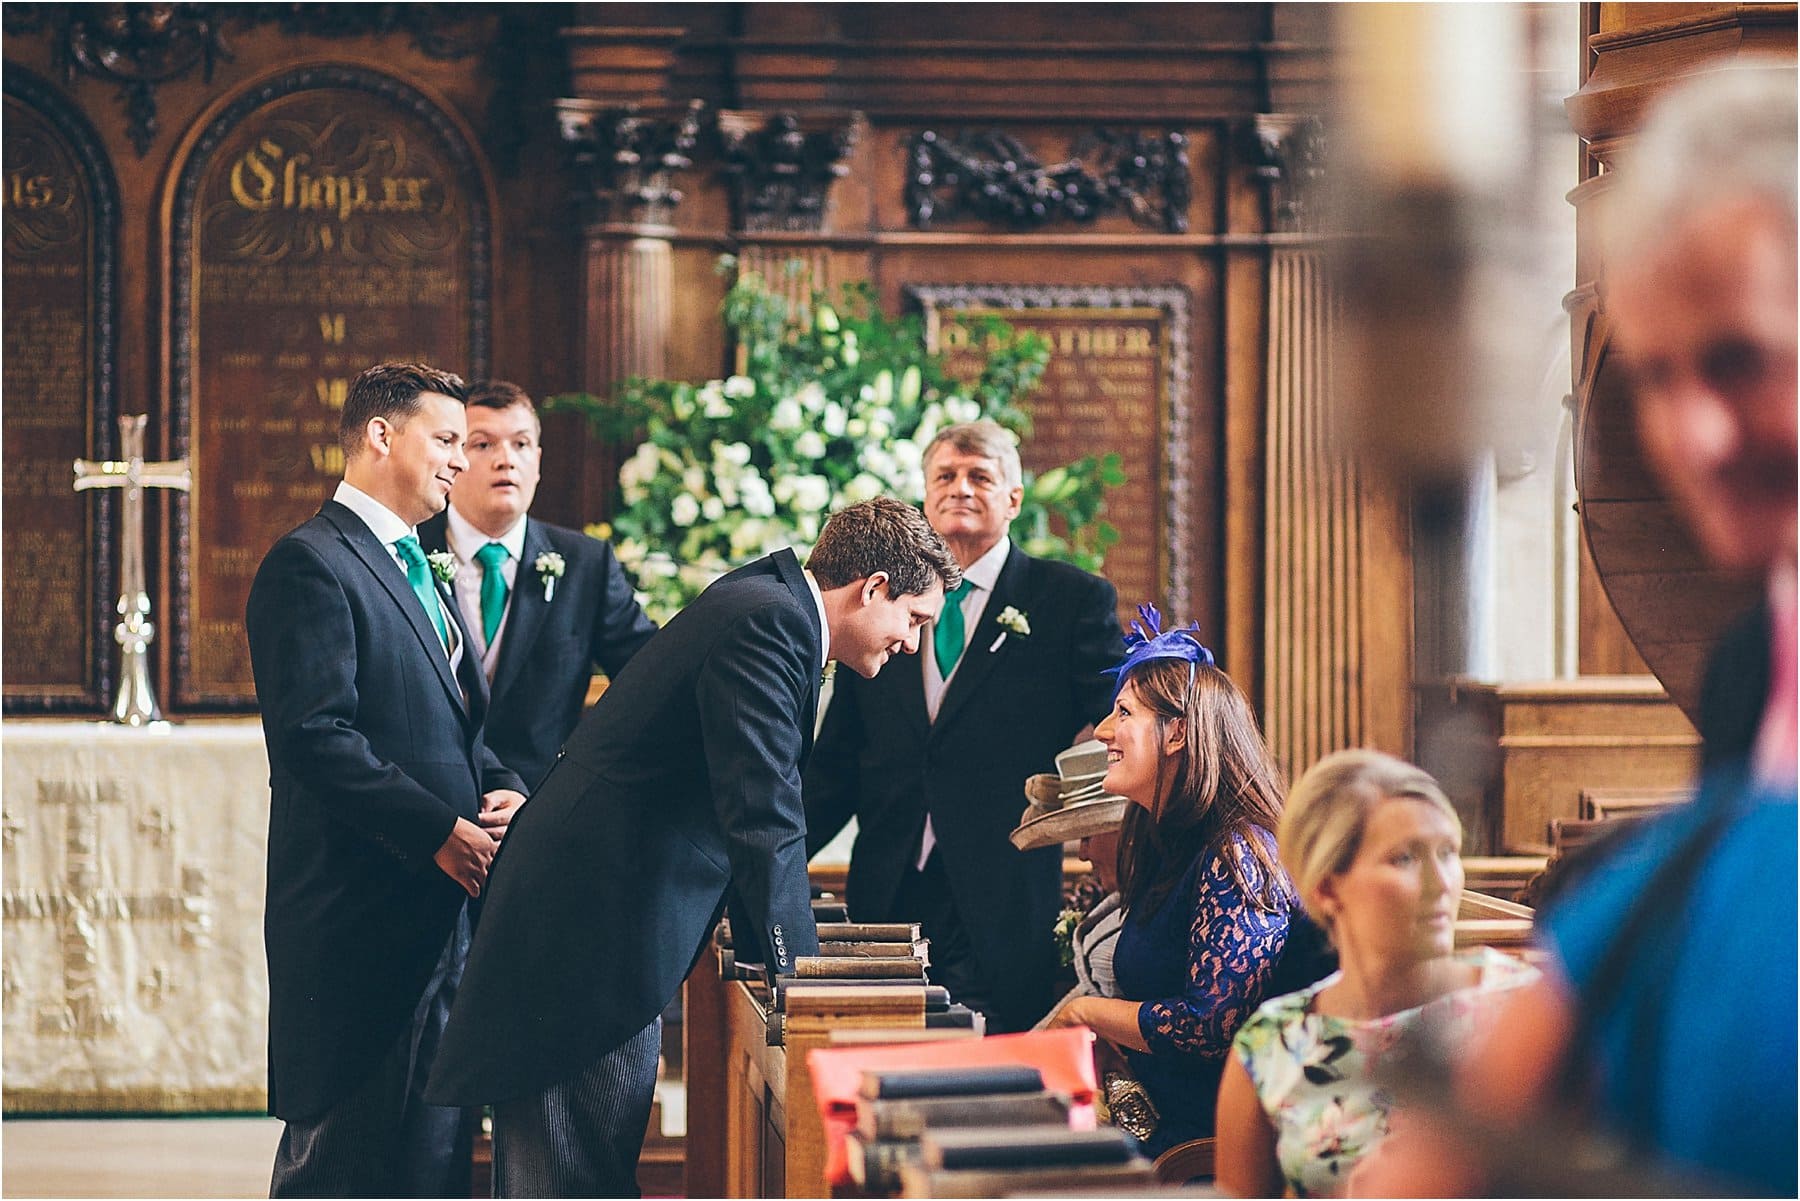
1292,153
625,160
780,173
991,176
139,46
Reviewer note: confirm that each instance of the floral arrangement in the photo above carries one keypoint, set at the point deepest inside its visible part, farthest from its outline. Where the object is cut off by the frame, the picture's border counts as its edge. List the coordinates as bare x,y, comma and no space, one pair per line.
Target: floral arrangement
831,405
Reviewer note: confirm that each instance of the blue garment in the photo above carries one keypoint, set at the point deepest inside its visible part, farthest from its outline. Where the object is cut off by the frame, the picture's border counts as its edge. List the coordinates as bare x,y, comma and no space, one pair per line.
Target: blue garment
1204,958
1695,1057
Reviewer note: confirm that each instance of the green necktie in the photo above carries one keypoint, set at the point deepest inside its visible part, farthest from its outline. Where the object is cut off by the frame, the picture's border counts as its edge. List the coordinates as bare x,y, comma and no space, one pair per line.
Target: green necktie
418,574
493,589
948,639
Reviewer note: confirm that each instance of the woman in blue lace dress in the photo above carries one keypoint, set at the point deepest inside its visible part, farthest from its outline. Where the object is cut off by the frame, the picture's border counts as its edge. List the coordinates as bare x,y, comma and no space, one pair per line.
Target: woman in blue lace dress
1208,906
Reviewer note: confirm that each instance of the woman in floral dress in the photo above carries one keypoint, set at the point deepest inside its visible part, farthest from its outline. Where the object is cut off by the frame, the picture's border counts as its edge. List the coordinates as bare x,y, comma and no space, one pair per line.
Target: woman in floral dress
1374,847
1208,906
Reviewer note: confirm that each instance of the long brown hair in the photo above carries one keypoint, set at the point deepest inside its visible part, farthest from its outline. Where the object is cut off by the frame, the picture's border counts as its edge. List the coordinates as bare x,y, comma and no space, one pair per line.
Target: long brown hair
1224,783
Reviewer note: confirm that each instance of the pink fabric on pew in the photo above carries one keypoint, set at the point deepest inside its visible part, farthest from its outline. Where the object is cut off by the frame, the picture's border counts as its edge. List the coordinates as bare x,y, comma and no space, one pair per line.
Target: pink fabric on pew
1065,1057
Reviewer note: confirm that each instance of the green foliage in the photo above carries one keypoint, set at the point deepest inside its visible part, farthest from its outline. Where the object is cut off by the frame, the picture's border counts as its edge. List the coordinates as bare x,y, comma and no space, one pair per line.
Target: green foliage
835,404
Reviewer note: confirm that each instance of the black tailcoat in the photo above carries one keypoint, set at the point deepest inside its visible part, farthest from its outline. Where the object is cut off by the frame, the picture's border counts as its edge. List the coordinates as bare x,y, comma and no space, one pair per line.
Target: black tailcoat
682,780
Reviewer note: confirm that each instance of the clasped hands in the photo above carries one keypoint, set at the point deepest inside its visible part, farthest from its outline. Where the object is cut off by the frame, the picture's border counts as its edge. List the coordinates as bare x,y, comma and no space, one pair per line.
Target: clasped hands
469,850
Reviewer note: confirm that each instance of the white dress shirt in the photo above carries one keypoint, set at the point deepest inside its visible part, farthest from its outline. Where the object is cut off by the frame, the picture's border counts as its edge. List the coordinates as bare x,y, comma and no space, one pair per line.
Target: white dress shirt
824,626
982,575
464,541
388,528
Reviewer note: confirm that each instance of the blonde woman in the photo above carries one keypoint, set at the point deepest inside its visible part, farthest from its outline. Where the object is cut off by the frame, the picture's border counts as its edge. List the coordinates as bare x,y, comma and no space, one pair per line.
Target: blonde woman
1374,849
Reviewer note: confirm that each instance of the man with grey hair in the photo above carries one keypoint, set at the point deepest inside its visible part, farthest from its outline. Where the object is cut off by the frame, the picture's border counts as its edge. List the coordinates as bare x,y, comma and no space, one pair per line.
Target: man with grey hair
930,760
683,781
1666,1015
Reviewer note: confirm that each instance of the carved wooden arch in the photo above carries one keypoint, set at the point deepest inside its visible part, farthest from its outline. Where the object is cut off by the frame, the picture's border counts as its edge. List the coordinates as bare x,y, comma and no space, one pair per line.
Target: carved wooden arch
103,434
474,177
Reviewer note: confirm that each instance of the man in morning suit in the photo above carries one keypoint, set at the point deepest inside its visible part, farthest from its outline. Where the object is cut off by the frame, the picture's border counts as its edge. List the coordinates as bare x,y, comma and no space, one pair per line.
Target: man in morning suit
544,605
681,782
931,759
385,804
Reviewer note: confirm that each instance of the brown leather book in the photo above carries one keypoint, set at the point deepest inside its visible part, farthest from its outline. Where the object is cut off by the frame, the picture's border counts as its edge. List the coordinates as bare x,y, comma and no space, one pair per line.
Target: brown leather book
853,968
952,1082
919,949
917,1180
909,1117
1027,1147
869,932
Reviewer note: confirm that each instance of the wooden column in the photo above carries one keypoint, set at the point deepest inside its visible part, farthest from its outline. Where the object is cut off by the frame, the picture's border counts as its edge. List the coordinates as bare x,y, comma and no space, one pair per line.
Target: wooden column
770,260
624,163
1337,581
783,170
630,288
1337,649
1311,630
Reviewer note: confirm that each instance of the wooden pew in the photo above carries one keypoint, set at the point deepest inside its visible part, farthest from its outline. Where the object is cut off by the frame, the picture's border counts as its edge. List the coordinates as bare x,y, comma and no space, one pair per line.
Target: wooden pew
1607,804
1488,921
753,1126
1503,876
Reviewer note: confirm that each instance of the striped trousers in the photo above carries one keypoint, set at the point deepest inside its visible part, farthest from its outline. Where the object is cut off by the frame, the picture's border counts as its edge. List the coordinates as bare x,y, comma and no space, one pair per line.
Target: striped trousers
581,1138
383,1140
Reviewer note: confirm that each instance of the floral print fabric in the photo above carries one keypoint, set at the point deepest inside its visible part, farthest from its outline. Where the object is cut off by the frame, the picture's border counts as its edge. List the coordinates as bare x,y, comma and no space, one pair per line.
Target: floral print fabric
1314,1073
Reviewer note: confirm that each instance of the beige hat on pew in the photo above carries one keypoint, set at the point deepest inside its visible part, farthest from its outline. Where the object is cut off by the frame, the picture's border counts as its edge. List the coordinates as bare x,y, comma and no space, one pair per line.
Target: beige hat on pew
1070,804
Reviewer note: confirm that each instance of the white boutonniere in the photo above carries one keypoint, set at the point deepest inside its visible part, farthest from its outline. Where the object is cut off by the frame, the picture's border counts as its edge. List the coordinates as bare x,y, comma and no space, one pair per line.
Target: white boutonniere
1012,622
826,672
549,566
443,565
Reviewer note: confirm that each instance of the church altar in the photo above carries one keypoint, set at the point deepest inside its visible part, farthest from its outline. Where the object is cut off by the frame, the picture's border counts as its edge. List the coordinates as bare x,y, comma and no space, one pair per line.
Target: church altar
134,978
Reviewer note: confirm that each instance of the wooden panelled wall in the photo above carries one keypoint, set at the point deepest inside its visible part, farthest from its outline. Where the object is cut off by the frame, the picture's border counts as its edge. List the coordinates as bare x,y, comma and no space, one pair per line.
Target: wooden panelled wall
608,226
1301,566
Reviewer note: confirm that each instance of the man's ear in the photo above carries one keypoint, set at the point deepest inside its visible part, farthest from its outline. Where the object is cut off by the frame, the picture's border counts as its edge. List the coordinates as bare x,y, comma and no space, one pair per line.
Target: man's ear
378,435
877,580
1015,500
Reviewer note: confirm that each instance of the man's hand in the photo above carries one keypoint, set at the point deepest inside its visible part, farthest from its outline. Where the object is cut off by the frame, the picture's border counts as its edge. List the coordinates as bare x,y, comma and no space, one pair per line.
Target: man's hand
497,809
465,855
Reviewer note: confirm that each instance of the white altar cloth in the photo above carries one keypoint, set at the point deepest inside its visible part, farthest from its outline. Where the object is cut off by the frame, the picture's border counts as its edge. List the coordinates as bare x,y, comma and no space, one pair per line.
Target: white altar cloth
134,861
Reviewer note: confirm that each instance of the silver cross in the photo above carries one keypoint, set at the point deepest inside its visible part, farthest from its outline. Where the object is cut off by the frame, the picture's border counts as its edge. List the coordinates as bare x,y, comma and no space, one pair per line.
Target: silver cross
136,703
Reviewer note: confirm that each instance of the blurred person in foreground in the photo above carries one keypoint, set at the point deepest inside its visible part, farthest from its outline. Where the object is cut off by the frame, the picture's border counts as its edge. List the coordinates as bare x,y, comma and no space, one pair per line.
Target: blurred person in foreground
1375,850
1208,907
1665,959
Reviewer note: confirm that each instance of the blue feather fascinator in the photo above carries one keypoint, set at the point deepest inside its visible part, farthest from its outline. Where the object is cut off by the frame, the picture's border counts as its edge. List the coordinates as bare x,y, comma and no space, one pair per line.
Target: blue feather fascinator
1147,640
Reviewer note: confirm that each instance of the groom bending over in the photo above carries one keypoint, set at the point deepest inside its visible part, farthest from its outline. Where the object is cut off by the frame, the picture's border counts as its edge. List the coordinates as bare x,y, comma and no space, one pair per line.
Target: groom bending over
682,780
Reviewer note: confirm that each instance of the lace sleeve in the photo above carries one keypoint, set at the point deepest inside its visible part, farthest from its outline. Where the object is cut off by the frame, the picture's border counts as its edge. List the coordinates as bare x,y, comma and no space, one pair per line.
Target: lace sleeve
1232,949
